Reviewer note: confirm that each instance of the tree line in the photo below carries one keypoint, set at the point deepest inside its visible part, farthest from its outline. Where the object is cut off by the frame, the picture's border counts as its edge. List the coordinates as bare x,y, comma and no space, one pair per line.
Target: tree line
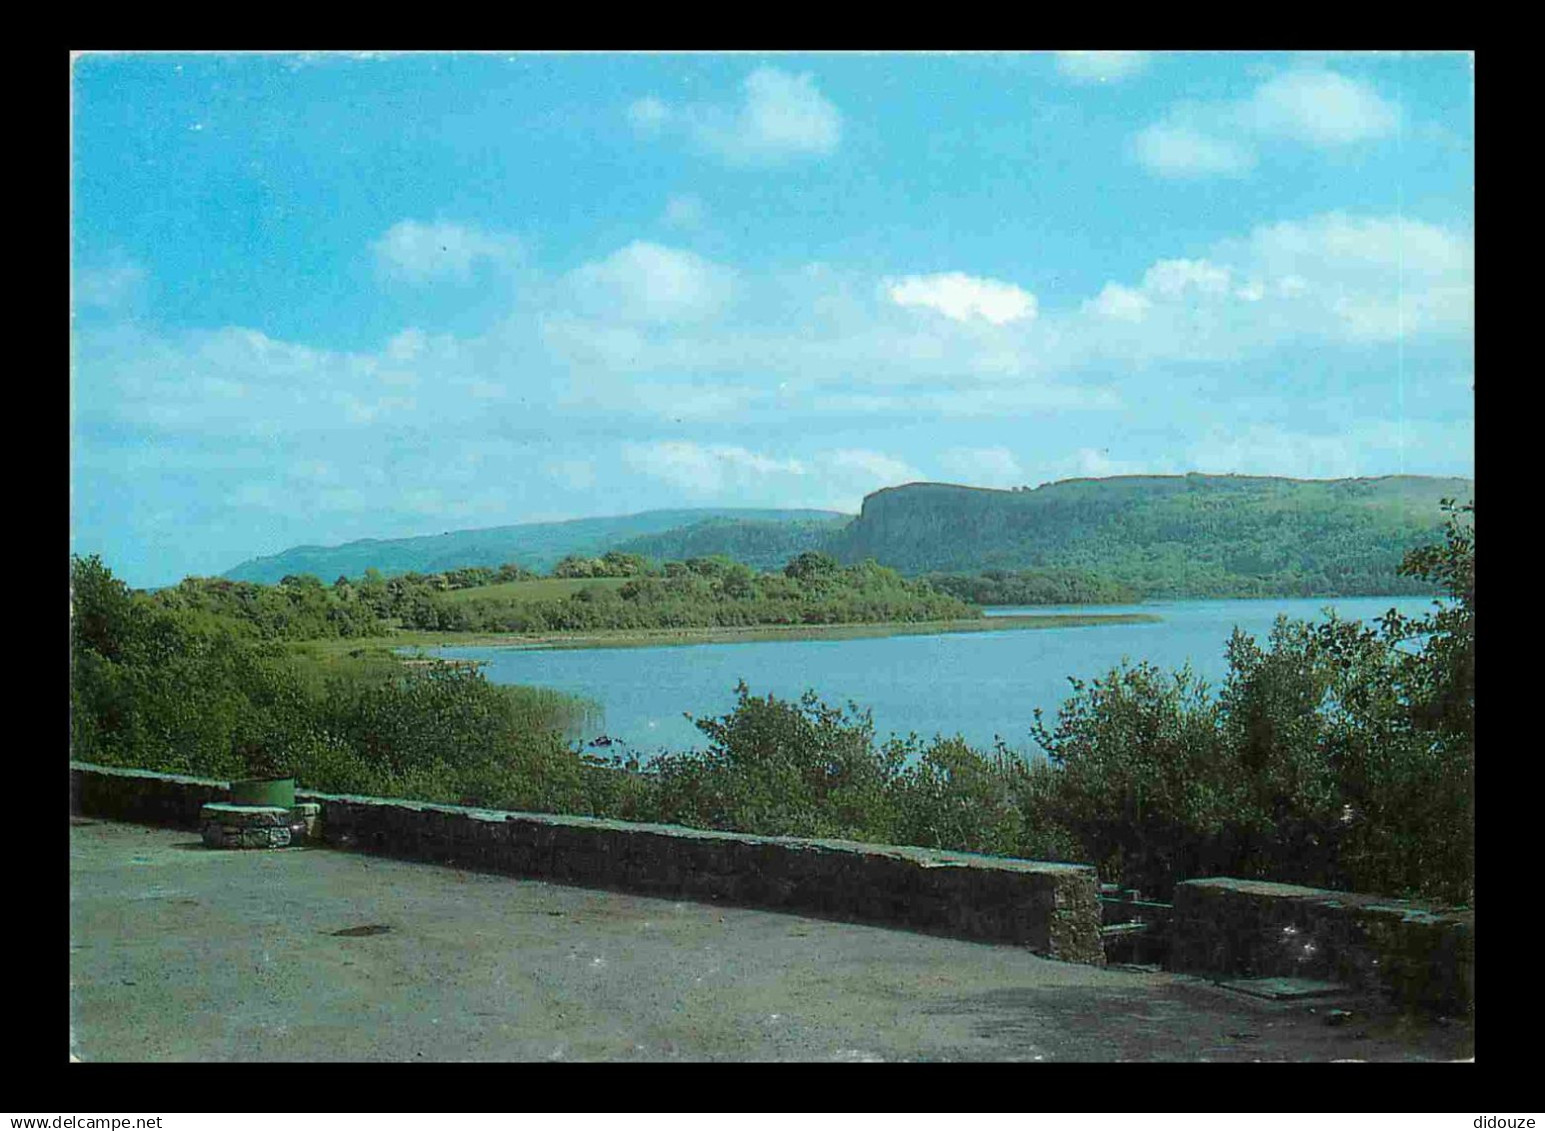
701,592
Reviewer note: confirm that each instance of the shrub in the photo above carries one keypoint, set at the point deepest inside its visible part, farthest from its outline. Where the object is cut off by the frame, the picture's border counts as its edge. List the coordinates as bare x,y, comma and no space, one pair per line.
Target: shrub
783,769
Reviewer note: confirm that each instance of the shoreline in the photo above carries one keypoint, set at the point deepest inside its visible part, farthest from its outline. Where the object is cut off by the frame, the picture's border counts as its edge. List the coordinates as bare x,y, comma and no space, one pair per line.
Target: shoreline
718,634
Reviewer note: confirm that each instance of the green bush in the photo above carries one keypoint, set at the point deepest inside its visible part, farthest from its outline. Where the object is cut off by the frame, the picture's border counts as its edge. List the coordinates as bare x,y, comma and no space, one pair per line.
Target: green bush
1142,777
953,796
783,769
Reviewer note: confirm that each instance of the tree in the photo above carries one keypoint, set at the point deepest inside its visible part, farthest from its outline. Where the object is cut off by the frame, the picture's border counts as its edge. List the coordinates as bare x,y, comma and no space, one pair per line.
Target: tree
1143,781
101,608
1404,728
812,565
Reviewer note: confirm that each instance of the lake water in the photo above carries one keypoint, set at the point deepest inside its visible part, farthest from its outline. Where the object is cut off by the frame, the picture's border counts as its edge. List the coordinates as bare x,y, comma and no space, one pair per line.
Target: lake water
981,685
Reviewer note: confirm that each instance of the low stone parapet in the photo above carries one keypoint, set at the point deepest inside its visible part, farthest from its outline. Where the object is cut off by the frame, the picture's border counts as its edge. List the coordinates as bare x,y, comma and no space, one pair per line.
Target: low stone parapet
1049,908
1417,954
143,796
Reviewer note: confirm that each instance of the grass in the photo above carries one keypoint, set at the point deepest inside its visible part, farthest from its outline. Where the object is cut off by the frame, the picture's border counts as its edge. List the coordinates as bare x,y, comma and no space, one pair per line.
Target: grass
342,652
316,662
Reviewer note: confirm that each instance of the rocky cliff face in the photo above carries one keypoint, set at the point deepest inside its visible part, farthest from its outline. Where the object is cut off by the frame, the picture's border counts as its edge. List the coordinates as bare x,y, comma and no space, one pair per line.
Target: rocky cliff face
926,525
1153,526
943,526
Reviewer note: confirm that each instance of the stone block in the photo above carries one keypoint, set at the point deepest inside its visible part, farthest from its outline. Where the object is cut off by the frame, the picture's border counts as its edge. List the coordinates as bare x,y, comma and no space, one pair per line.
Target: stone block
1417,955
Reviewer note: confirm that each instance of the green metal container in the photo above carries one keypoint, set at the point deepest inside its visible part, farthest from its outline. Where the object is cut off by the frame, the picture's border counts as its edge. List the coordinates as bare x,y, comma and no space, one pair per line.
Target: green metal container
278,792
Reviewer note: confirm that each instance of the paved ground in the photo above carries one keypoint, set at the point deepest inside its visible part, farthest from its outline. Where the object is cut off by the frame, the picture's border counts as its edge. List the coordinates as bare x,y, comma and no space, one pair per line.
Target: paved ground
179,952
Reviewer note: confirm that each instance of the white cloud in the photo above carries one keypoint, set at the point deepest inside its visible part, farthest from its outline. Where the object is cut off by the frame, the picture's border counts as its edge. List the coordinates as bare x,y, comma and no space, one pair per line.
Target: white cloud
962,297
1122,304
1170,278
647,282
1371,277
705,469
1173,150
817,340
863,465
780,117
785,115
1338,277
837,478
1100,66
1320,108
1317,108
1368,246
423,252
237,384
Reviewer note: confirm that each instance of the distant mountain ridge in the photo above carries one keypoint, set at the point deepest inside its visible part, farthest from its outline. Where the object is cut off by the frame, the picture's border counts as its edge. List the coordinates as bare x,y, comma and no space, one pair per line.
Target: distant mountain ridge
1166,536
537,546
1161,536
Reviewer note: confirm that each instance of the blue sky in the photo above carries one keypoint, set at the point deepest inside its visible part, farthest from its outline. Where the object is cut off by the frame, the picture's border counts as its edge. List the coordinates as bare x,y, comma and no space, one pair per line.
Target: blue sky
321,297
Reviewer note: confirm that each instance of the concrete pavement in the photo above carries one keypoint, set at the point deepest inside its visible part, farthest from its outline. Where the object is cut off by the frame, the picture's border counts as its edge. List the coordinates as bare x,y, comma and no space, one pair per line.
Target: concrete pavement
184,953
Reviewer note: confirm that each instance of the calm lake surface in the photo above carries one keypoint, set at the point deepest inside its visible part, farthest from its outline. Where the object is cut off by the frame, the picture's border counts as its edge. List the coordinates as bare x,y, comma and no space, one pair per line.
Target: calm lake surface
981,685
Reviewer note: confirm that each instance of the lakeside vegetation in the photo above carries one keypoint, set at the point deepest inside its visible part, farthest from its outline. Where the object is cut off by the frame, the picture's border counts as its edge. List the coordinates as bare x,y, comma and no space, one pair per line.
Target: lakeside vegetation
191,692
1336,754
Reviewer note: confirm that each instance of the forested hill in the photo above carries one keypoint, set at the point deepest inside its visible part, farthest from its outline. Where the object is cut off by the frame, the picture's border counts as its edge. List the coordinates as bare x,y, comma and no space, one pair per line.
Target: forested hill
536,546
1165,536
760,544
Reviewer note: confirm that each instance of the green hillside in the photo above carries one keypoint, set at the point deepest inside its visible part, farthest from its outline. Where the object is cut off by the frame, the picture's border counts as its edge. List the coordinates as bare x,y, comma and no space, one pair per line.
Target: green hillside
536,546
1129,537
1165,536
760,544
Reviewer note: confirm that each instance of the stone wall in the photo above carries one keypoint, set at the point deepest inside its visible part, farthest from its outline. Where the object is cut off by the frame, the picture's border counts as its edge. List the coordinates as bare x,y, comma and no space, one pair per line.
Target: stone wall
1050,908
142,797
1419,955
1218,926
